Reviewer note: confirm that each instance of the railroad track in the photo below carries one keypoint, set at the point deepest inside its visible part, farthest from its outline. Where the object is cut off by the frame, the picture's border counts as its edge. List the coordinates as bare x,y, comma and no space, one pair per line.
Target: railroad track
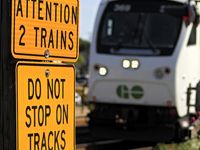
82,134
84,141
96,145
115,145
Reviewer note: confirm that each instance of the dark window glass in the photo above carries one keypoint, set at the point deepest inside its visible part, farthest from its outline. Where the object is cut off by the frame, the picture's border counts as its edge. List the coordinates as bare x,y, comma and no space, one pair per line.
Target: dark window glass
138,28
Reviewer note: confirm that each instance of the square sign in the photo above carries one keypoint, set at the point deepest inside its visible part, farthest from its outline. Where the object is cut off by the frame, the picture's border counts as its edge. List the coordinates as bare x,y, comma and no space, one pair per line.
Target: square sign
45,29
45,106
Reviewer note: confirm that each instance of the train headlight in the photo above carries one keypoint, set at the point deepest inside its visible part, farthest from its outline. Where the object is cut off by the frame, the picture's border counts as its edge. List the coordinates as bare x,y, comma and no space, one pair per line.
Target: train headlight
135,64
126,63
103,71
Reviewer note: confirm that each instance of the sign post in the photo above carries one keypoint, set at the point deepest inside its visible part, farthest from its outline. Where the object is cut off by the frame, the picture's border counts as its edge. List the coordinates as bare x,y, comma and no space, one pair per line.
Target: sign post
7,81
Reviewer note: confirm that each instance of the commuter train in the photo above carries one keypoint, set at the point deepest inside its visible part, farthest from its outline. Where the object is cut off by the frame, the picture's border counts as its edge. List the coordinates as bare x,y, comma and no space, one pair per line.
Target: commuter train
145,70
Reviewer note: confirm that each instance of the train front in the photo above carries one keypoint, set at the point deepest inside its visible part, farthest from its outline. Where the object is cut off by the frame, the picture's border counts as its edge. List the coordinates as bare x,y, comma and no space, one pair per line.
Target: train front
133,60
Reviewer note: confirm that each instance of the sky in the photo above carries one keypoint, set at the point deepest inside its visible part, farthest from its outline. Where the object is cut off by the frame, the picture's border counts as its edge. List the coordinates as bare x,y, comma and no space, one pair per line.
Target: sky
88,11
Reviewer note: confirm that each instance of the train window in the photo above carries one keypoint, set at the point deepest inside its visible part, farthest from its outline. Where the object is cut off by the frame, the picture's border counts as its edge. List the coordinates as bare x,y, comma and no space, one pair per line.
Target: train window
109,27
138,29
192,39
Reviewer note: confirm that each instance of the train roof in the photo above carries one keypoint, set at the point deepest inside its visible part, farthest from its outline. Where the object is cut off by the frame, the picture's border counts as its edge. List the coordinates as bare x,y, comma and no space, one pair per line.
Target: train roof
180,1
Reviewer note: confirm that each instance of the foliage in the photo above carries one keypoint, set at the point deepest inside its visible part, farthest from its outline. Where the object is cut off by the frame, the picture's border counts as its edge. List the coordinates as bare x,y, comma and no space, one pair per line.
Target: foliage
191,144
84,46
80,60
161,146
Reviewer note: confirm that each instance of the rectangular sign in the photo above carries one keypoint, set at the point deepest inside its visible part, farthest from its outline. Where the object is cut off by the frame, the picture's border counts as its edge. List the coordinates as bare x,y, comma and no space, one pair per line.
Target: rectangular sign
45,29
45,106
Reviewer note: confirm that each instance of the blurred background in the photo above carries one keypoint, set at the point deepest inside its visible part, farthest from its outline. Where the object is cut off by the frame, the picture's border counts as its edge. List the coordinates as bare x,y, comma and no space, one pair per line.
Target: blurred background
88,10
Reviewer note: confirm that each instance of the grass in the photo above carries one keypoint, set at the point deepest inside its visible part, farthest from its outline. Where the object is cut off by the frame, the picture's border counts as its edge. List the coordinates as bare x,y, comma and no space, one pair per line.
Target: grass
191,144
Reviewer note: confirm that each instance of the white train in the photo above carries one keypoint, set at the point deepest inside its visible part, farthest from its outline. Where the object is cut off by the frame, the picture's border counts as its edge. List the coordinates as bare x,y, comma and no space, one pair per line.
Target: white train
145,69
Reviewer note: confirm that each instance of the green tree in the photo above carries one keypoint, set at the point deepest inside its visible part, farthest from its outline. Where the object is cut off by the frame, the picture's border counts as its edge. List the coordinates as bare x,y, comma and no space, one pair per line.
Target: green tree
80,61
84,46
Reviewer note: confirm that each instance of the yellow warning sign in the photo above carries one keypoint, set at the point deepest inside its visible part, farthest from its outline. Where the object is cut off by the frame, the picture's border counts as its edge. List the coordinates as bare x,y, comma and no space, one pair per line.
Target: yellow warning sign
45,106
45,29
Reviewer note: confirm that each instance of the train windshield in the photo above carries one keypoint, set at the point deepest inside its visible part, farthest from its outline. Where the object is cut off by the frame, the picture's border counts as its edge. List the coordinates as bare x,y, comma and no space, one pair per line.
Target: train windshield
138,28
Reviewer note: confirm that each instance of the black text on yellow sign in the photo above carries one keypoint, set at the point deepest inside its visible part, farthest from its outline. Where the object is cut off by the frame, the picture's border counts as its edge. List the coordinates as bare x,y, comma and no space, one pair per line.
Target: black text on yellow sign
40,25
45,106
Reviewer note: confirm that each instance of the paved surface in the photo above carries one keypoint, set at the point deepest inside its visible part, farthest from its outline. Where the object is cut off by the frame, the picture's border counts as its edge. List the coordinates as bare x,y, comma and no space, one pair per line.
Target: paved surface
82,111
81,115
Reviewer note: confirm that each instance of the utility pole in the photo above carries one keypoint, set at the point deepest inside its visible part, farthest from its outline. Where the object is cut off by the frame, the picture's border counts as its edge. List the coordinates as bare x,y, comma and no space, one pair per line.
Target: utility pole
7,81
